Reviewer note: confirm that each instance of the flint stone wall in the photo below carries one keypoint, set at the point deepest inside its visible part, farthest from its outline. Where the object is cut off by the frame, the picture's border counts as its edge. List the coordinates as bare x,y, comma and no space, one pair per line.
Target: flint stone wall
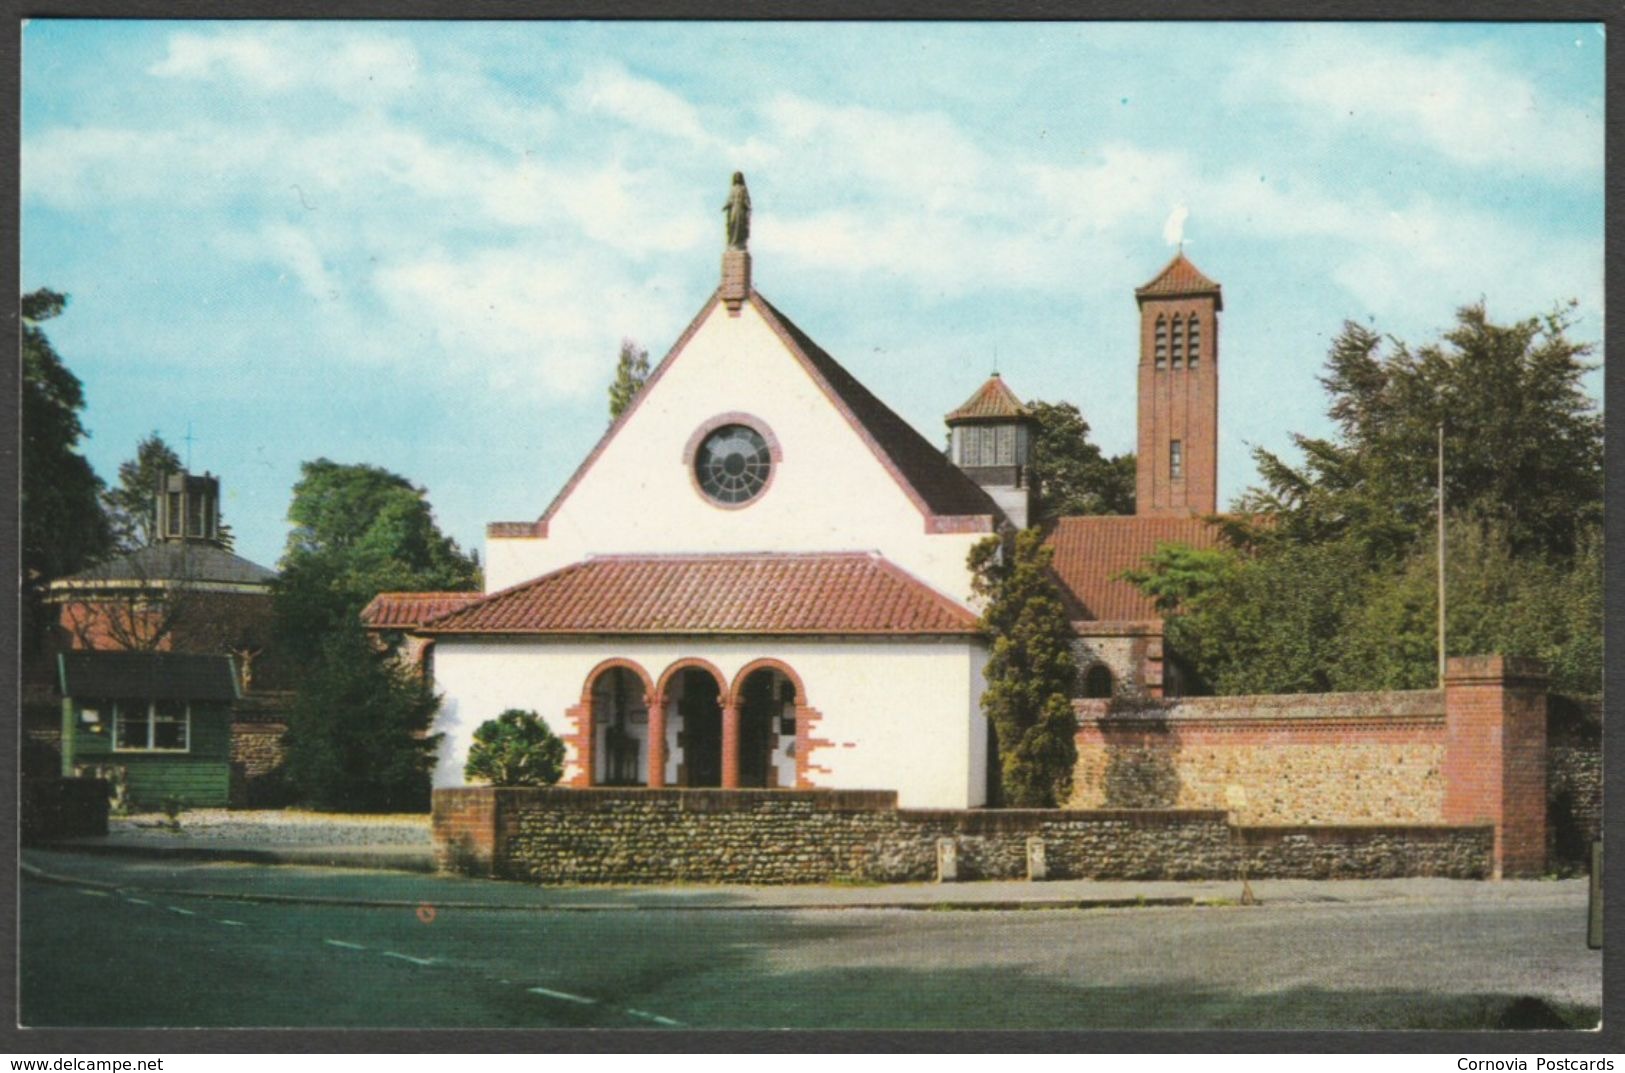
1328,758
602,835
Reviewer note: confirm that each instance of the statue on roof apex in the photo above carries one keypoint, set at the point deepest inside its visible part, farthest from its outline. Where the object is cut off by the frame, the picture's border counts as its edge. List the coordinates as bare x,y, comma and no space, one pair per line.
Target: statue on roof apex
736,214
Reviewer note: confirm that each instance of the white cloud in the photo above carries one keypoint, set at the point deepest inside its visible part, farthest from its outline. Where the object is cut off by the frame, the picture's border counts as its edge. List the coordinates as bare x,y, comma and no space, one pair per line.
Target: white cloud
921,156
281,60
609,90
523,324
1464,104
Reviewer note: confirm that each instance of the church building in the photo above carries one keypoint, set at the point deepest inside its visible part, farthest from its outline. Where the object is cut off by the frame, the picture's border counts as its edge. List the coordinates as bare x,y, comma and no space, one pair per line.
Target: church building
757,577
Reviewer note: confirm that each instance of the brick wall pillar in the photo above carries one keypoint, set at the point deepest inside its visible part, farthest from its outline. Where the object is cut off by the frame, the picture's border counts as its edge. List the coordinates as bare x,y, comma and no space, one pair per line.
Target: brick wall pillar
730,747
735,279
1495,755
464,823
657,741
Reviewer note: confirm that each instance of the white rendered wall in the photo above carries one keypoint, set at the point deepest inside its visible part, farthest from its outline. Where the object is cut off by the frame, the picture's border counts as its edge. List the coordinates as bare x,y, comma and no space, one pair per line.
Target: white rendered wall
828,493
903,715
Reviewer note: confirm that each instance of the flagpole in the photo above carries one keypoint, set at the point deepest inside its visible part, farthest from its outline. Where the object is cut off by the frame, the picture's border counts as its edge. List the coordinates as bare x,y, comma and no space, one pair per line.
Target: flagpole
1441,555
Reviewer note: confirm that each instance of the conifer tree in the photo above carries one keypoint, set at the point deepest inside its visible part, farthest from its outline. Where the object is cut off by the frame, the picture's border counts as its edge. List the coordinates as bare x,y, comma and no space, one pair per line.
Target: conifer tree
1030,671
630,373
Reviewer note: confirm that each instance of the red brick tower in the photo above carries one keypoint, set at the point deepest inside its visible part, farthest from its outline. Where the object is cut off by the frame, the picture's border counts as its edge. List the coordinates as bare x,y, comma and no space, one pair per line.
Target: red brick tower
1178,455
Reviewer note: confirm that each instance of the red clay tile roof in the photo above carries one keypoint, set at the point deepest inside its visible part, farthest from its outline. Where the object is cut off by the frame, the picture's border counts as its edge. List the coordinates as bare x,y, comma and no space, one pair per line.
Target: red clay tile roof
408,610
1179,278
1091,551
753,593
993,400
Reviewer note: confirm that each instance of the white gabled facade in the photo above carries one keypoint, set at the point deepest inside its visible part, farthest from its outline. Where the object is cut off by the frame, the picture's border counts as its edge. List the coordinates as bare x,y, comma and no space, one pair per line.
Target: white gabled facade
830,490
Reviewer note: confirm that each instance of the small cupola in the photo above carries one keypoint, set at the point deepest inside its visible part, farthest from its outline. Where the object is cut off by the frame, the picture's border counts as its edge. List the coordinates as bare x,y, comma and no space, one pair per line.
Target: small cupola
189,509
991,439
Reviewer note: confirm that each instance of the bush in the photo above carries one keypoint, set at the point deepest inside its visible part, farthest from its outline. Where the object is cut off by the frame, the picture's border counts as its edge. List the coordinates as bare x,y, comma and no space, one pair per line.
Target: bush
515,749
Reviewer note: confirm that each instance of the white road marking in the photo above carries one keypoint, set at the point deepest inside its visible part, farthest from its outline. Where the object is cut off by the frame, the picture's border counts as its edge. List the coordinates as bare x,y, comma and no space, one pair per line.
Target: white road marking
182,912
655,1017
341,942
93,893
233,923
136,901
565,995
409,957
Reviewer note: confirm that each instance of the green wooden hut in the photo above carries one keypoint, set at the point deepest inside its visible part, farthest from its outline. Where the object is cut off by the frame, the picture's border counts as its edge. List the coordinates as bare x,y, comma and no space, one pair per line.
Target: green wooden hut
164,718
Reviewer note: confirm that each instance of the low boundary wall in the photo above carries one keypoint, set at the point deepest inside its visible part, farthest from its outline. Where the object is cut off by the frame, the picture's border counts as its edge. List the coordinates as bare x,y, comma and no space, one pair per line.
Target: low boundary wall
1472,752
606,835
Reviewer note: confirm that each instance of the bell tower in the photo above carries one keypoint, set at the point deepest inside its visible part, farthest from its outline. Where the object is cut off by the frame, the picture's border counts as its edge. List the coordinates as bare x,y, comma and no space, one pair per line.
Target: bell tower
1178,452
188,509
991,439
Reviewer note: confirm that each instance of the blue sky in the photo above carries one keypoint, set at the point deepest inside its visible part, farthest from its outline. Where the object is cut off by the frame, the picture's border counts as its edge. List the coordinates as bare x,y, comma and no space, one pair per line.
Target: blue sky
419,245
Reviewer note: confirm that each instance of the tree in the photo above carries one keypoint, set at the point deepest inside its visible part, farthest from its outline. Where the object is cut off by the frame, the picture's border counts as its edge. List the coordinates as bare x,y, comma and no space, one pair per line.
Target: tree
1523,442
357,731
132,504
1069,474
63,527
517,748
357,531
631,372
1030,672
1332,583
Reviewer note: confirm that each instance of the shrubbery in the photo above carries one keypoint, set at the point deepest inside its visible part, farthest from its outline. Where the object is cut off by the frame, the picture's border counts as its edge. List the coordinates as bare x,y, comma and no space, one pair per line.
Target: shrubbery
515,749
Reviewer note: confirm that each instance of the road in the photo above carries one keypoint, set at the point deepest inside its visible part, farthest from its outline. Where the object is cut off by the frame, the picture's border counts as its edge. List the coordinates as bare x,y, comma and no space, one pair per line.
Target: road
132,957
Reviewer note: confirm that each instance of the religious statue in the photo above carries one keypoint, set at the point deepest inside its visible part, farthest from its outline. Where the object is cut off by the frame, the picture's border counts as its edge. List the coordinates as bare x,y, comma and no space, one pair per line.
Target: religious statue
736,214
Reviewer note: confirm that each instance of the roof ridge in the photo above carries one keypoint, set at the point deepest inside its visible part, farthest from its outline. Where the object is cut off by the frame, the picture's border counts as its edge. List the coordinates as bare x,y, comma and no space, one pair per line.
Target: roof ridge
762,554
913,452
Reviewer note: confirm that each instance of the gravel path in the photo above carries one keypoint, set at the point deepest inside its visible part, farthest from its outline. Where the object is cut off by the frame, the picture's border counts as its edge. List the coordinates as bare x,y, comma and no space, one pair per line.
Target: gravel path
269,828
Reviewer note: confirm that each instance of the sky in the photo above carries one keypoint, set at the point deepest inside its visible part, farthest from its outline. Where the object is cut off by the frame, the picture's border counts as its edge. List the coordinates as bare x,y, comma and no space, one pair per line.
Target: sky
419,245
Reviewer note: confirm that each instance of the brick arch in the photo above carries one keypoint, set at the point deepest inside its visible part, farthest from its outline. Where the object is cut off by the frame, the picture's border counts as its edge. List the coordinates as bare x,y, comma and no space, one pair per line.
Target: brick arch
687,662
736,691
609,665
807,718
579,716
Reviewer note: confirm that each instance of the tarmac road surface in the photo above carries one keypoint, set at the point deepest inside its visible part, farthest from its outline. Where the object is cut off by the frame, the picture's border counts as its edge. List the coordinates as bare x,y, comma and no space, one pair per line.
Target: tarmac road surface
110,950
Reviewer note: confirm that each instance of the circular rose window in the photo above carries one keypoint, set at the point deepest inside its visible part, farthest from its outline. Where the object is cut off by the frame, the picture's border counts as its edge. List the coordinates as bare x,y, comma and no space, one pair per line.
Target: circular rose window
733,464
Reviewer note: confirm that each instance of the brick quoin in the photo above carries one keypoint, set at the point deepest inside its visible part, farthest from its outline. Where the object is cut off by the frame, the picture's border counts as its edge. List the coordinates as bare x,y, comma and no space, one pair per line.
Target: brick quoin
1495,756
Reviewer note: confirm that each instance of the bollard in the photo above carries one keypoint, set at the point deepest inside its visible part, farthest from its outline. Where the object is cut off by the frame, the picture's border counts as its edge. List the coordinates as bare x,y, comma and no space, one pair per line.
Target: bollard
1036,867
947,861
1594,908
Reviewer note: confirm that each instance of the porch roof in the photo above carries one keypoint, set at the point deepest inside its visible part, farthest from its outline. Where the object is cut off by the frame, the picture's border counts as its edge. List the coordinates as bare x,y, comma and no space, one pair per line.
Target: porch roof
743,593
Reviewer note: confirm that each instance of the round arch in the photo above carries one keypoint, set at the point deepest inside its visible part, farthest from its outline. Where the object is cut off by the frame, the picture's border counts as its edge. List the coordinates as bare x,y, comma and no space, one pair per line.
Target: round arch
697,663
611,664
736,691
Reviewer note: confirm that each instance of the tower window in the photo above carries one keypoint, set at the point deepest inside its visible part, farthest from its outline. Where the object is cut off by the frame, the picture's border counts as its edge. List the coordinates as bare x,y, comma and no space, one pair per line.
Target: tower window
1195,333
1161,346
1179,344
1004,445
1176,459
174,514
